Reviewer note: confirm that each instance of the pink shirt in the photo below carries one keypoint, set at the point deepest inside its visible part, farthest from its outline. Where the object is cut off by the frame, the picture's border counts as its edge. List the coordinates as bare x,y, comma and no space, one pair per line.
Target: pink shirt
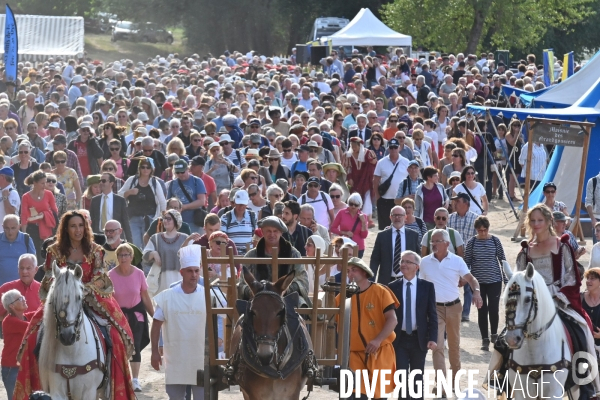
345,222
128,289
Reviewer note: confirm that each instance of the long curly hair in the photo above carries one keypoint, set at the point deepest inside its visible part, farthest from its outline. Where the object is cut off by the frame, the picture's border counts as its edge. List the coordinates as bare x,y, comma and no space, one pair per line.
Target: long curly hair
63,240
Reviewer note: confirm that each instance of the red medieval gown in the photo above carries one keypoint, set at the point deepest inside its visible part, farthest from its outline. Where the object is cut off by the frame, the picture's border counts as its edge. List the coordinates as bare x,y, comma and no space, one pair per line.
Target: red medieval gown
102,303
361,173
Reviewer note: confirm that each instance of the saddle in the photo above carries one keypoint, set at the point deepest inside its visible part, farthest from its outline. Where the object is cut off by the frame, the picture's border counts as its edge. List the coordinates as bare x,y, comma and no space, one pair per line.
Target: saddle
297,351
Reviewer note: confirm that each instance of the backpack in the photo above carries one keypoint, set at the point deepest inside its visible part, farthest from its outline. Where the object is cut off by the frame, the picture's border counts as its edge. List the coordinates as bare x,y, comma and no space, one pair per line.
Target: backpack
450,232
27,243
323,197
252,220
405,185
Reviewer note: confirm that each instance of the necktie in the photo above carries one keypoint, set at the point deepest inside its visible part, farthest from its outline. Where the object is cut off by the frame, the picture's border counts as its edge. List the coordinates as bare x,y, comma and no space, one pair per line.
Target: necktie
397,252
408,313
104,212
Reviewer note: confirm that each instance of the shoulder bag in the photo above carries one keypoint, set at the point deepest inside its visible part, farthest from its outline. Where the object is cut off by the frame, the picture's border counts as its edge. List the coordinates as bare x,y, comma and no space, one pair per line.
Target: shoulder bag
388,182
199,213
472,198
153,278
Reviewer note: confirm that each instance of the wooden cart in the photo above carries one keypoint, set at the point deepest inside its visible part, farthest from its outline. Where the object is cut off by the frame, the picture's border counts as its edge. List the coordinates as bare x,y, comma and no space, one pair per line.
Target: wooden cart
323,333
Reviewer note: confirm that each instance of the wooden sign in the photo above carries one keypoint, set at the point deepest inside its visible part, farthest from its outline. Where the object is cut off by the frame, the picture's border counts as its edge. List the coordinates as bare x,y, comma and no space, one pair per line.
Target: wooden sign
558,135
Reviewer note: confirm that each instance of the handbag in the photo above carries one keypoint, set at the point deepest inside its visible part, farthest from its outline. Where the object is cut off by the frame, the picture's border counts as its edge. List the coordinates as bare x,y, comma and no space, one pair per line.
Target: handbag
387,183
153,278
199,213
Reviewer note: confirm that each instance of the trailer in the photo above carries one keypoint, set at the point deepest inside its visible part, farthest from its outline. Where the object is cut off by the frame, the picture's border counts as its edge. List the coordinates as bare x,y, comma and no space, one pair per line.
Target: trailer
44,36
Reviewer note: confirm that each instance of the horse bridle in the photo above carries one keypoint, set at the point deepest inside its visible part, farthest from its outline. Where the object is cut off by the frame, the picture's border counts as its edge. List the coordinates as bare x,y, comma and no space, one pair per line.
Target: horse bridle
270,340
514,292
61,322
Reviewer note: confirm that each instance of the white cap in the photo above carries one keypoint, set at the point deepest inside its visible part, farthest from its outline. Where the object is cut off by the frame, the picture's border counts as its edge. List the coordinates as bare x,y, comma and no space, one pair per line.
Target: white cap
189,256
241,197
142,116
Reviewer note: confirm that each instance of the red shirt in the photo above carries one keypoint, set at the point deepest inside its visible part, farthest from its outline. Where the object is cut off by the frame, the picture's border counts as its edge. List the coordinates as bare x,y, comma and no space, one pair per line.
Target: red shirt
82,155
13,330
31,293
210,185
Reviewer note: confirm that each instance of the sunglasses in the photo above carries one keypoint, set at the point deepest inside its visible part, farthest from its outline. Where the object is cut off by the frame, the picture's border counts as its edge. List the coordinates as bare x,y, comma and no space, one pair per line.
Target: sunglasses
470,173
23,152
115,149
353,205
273,159
339,119
50,181
550,191
400,137
147,150
145,167
60,161
197,140
314,185
376,138
440,218
180,172
335,196
287,150
167,219
218,242
252,194
393,121
393,147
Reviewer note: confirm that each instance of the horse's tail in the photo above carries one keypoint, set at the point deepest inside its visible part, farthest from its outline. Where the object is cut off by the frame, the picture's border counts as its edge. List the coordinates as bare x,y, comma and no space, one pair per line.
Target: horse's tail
49,345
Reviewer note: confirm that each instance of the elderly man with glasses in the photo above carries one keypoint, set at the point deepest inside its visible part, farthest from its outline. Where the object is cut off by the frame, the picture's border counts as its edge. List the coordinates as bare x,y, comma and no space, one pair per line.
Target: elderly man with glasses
160,162
113,232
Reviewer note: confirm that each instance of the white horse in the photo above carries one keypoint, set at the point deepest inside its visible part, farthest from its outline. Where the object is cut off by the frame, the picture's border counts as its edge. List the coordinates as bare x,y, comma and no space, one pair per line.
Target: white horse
71,361
537,338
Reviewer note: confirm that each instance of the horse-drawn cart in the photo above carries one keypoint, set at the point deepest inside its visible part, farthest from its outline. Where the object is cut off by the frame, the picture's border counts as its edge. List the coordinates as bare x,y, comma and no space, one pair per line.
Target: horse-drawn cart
328,349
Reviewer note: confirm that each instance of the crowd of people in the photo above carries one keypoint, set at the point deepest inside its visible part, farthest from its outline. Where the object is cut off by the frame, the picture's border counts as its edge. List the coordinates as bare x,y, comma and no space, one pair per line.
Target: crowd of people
128,168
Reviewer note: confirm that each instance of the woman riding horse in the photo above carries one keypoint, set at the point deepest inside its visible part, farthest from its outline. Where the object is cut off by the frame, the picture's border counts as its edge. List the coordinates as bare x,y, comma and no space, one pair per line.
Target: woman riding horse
74,246
554,260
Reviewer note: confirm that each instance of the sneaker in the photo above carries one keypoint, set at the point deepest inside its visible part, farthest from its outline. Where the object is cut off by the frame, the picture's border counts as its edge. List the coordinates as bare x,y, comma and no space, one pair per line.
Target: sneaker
136,385
465,319
485,344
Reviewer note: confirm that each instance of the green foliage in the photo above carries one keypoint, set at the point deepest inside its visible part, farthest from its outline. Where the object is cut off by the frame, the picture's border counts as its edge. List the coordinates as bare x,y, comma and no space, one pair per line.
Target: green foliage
515,24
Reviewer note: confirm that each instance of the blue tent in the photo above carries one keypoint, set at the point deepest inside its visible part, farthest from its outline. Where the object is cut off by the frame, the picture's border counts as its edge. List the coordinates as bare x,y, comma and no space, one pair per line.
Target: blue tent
564,166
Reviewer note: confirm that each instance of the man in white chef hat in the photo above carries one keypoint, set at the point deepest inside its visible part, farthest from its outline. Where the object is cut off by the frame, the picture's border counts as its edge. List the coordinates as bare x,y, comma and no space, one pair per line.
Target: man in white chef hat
181,313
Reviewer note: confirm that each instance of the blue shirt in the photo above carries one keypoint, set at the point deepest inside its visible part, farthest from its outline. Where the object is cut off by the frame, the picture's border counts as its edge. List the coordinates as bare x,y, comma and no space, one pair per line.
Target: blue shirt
74,94
193,186
11,252
298,166
219,122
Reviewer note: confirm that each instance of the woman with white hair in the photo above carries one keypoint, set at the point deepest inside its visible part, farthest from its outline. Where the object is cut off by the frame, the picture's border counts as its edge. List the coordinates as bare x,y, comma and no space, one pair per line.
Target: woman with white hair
150,108
14,326
352,223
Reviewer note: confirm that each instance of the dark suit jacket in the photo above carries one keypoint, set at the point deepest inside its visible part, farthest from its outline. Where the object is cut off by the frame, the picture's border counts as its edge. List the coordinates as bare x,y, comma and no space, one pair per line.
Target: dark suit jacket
426,313
355,133
119,213
382,256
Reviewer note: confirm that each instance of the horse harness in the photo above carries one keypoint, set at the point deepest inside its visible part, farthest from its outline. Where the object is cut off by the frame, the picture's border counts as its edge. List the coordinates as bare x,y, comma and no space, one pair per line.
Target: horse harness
68,371
297,350
535,371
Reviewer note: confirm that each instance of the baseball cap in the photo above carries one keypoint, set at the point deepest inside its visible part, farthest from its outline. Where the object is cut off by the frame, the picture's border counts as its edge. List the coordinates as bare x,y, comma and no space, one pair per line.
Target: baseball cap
558,215
461,195
314,179
198,160
241,197
255,121
413,162
59,139
168,106
53,125
393,143
180,166
303,147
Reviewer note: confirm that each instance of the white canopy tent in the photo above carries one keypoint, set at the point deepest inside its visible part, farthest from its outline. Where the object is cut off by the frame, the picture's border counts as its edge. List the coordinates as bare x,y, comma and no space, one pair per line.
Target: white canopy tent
366,30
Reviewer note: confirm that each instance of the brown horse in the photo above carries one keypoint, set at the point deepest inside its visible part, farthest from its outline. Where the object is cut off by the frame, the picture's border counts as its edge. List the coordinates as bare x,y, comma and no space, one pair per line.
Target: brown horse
272,351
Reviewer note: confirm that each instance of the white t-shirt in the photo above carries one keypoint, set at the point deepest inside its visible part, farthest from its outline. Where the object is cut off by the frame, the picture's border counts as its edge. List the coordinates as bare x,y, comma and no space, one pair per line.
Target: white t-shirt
321,214
444,275
477,193
289,161
384,169
14,200
433,136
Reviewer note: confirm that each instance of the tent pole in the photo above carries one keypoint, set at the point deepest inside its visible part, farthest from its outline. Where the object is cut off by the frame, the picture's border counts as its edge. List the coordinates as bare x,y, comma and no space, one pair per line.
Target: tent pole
520,231
508,164
495,170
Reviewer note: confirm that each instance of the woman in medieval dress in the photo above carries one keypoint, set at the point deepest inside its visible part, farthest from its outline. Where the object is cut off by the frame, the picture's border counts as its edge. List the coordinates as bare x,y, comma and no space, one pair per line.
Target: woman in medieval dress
545,251
74,245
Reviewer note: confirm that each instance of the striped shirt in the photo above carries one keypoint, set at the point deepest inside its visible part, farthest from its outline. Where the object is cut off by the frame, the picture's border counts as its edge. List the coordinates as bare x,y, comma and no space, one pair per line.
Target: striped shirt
420,229
239,231
538,161
464,225
483,257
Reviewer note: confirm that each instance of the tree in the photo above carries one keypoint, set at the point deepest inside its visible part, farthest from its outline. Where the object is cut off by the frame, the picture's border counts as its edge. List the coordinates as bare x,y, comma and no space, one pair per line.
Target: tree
471,25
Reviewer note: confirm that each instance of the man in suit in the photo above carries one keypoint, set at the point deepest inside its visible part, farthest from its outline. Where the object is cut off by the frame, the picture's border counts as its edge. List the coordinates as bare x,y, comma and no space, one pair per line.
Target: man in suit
363,131
417,328
399,239
107,206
